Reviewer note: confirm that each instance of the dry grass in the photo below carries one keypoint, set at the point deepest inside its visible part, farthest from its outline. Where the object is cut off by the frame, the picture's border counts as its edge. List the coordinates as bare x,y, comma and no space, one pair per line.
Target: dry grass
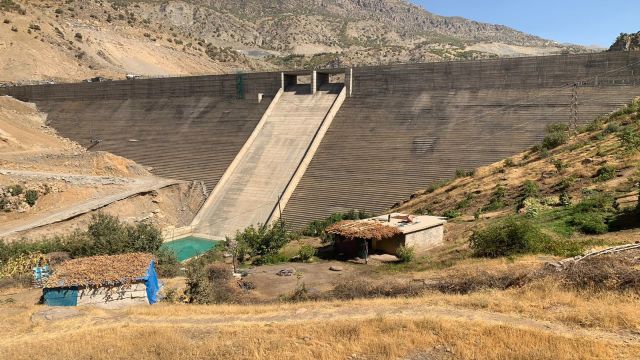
379,338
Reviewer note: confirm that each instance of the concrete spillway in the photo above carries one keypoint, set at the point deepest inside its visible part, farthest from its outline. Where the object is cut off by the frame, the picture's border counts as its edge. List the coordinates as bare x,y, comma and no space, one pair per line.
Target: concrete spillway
249,192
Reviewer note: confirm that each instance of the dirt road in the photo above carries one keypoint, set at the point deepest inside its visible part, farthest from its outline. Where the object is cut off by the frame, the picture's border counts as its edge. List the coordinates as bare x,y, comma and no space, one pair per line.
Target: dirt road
131,187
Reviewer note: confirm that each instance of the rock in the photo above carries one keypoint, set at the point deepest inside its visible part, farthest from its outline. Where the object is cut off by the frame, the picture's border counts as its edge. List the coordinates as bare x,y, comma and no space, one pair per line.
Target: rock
286,272
336,268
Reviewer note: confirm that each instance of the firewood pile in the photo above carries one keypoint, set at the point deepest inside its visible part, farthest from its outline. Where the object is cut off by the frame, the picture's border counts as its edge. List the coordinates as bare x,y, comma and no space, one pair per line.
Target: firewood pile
354,229
100,270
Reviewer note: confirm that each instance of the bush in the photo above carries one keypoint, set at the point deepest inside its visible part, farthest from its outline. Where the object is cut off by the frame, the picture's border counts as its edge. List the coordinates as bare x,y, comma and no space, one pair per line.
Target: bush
605,173
497,199
31,196
15,190
590,223
460,173
559,165
630,139
508,237
557,127
307,252
263,241
611,128
211,284
452,214
105,235
554,139
167,264
406,254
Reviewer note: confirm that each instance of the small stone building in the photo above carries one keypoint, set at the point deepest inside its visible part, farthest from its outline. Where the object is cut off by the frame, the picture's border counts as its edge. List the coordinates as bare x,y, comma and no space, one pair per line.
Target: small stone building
109,281
386,233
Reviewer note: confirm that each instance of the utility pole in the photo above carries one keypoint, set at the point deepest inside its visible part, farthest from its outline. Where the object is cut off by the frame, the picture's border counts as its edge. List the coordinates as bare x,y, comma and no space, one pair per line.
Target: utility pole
573,120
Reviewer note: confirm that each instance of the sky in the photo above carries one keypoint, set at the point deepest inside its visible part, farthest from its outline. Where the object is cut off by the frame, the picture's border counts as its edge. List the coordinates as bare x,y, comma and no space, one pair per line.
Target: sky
586,22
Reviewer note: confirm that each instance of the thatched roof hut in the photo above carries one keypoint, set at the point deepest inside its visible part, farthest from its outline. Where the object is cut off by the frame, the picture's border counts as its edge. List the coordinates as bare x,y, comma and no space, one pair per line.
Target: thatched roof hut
367,230
103,279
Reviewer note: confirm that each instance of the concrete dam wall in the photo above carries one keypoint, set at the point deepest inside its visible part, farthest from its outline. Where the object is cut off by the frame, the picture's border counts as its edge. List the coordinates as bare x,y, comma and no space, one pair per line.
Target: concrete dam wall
187,128
403,128
407,126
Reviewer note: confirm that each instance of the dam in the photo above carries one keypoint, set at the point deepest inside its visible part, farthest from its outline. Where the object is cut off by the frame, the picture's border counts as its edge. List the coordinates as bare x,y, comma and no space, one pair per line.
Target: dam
272,144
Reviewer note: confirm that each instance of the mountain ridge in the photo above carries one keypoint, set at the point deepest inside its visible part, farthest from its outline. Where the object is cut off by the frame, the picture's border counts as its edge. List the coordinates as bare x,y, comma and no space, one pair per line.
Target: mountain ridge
79,39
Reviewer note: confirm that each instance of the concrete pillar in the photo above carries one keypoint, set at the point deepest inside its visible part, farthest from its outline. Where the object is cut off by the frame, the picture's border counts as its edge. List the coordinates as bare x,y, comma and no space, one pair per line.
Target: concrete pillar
348,81
282,81
314,82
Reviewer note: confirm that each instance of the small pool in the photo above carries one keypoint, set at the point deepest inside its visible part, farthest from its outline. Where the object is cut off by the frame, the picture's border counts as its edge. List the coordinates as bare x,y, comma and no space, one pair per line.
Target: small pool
189,247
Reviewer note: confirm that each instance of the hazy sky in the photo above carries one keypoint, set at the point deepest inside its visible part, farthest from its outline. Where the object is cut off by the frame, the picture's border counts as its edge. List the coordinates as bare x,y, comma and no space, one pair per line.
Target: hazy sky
587,22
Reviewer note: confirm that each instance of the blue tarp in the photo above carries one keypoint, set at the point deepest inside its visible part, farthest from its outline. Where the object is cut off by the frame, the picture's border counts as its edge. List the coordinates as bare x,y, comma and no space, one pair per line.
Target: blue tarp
151,282
61,296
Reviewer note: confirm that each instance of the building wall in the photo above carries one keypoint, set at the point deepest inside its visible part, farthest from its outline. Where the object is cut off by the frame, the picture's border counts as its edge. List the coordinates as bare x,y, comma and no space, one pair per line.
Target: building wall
111,297
424,240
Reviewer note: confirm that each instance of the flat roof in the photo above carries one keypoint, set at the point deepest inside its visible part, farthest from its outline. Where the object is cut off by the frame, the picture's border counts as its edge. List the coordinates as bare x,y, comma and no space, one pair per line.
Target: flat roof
418,223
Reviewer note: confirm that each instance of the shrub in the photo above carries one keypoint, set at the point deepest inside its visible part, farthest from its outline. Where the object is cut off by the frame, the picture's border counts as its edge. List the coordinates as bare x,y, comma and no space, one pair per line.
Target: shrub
508,237
211,284
559,165
605,173
530,189
31,196
497,199
460,173
435,186
263,240
451,214
15,190
557,127
465,202
590,223
566,183
554,139
307,252
630,139
611,128
406,254
167,264
508,162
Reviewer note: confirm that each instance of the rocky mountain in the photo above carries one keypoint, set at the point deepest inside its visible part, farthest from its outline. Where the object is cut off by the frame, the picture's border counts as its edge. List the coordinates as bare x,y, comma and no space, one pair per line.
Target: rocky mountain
626,42
72,39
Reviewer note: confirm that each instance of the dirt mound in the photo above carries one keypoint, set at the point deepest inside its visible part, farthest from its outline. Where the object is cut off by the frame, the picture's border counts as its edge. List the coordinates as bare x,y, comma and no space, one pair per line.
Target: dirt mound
22,128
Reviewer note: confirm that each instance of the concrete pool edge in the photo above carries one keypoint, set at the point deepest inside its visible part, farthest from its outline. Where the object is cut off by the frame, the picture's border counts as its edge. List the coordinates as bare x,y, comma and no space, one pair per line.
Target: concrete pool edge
174,234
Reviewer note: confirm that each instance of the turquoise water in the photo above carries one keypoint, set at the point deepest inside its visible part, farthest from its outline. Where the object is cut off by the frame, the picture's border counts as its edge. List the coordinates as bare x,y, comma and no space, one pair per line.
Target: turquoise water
189,247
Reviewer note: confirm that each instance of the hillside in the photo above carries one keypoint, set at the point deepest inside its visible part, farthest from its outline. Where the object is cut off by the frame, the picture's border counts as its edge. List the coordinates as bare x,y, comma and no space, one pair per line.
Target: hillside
570,185
74,40
626,42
